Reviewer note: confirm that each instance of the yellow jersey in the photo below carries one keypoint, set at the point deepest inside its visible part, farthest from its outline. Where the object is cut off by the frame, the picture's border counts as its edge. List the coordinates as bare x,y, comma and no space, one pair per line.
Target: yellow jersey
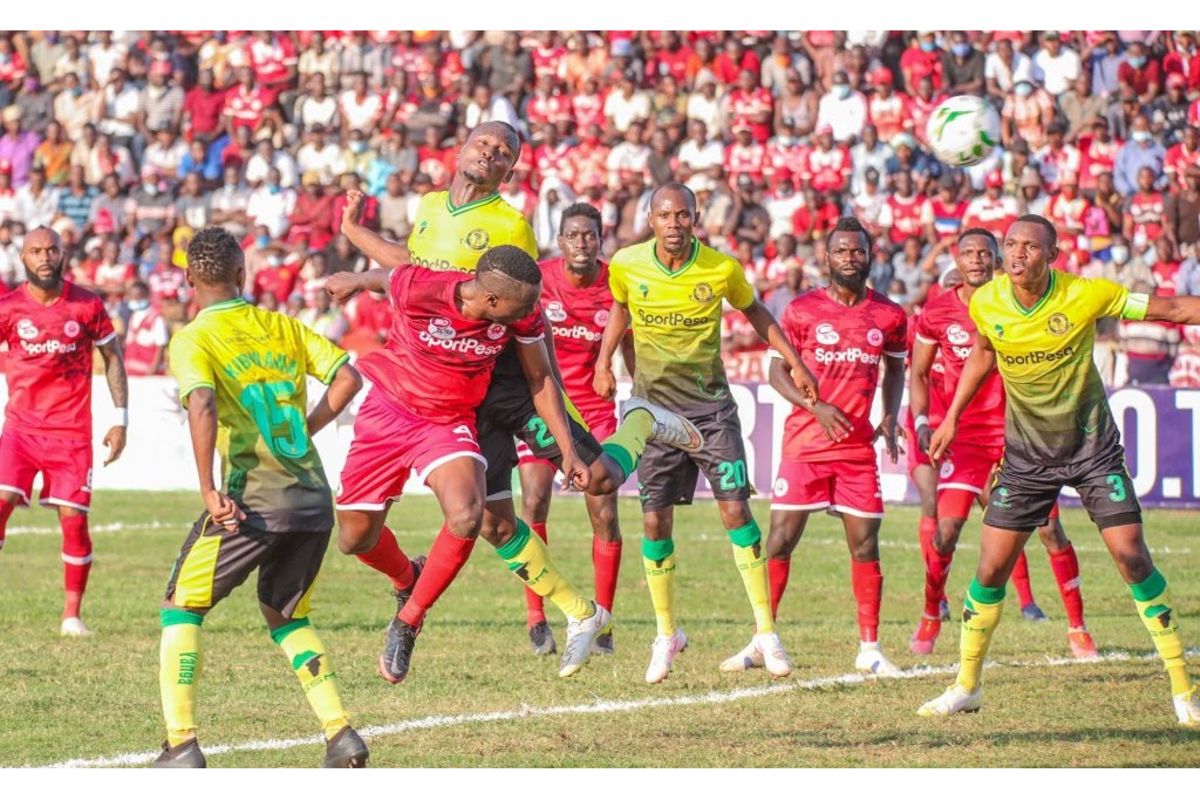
256,362
445,236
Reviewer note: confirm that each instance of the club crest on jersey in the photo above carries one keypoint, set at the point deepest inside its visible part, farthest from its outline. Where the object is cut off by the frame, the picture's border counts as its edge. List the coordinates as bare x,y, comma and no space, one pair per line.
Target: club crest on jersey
703,293
477,239
440,328
555,311
781,487
875,337
956,335
26,329
1058,324
71,329
826,334
496,331
421,228
601,318
947,469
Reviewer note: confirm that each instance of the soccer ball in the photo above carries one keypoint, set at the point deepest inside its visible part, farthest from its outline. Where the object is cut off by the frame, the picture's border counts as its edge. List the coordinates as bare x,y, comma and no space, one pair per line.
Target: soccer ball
963,130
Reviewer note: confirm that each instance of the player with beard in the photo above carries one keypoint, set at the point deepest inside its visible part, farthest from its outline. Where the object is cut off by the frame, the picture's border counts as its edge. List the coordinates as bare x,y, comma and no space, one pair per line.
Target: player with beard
844,333
51,327
1037,327
945,329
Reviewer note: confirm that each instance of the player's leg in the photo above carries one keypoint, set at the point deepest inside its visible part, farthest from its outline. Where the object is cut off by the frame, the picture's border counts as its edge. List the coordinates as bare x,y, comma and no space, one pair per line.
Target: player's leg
641,422
67,486
77,566
8,503
799,489
606,558
364,534
1065,565
17,470
953,507
537,487
925,479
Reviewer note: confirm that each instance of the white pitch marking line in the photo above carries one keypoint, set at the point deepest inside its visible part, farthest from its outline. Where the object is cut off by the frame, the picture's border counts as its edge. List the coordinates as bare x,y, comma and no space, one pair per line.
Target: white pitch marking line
599,707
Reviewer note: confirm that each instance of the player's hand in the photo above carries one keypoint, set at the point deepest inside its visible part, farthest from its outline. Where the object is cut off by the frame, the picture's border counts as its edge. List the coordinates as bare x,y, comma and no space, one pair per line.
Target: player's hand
887,429
939,443
806,383
115,441
354,203
342,286
223,510
924,435
832,421
605,383
576,474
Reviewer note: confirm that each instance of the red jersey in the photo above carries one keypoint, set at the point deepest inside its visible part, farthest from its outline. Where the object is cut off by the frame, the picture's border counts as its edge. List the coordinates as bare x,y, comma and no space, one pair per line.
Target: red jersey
1176,162
750,160
946,323
745,107
947,219
903,216
1147,211
828,170
1095,157
49,368
843,346
577,319
436,362
994,215
890,116
245,109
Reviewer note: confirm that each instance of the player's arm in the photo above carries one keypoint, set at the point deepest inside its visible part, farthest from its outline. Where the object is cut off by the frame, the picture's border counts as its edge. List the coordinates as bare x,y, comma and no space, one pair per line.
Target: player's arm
628,353
893,390
976,369
345,384
1180,310
371,244
344,285
605,382
923,355
118,387
829,417
764,325
202,423
547,397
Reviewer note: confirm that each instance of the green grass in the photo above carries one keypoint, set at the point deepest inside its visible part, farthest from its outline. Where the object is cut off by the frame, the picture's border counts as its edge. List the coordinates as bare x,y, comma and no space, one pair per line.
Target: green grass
99,697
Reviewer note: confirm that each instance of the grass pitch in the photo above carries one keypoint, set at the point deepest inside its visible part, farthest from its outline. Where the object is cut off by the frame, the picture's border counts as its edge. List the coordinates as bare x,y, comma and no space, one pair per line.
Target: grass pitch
98,698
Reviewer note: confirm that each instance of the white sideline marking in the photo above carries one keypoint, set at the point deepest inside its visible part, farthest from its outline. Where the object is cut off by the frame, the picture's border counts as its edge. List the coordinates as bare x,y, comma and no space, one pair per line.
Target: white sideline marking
599,707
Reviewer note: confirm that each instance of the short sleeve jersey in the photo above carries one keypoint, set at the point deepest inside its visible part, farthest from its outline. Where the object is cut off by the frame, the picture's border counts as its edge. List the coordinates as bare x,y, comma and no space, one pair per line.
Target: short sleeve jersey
844,347
256,363
49,365
1057,412
577,319
445,236
677,323
436,362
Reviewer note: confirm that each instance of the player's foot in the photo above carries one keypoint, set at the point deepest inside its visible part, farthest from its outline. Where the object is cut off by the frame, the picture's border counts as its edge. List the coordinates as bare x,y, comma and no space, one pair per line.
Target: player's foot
669,428
1033,613
397,653
346,750
541,640
402,595
186,755
74,628
603,646
871,661
1187,708
662,655
1082,646
955,700
775,658
925,636
748,658
944,608
581,635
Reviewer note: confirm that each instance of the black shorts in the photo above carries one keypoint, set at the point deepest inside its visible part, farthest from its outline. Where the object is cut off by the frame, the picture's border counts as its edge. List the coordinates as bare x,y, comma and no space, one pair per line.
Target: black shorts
1023,492
507,411
667,477
213,562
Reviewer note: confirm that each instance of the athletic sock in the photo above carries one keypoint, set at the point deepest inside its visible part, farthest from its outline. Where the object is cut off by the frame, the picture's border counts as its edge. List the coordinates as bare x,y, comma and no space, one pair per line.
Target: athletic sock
937,572
6,510
446,557
1020,579
178,672
606,565
981,615
658,560
926,532
628,442
867,580
387,557
77,561
777,574
535,607
1066,572
529,559
307,656
1153,603
752,564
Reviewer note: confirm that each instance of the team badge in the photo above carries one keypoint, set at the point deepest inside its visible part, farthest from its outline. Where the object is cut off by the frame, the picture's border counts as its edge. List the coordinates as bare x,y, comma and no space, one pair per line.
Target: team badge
496,331
875,337
71,329
947,469
555,311
440,328
1058,324
477,239
956,335
781,487
601,318
421,228
826,334
27,330
703,293
644,289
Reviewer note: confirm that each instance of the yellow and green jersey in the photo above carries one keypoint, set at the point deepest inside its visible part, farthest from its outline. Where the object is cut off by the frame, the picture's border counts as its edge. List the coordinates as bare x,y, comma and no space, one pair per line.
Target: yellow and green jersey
256,362
445,236
1057,410
677,323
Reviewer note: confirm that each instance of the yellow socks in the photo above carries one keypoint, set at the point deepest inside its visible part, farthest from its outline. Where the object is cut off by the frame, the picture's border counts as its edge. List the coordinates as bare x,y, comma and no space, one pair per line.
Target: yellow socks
752,564
981,615
628,442
529,558
1154,607
658,559
178,671
307,656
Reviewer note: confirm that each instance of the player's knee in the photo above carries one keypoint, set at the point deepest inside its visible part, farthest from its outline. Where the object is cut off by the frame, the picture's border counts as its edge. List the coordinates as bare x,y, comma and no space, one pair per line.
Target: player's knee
1134,564
865,550
535,506
1053,537
356,534
735,515
947,536
466,521
604,523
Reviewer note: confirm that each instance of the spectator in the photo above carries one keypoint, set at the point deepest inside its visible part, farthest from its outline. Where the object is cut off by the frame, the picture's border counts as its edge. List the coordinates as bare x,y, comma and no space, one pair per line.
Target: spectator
796,106
923,58
1080,107
146,336
36,203
1106,59
17,146
1169,111
1056,67
1182,213
1004,68
75,200
962,67
54,155
1141,73
270,205
843,109
1027,113
1141,152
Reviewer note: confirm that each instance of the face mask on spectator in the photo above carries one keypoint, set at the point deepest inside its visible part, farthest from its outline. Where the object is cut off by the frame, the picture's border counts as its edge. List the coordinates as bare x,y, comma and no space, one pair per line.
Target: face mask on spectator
150,187
962,50
1141,136
1023,89
139,305
928,47
841,90
76,91
1137,62
1120,255
358,146
262,241
274,188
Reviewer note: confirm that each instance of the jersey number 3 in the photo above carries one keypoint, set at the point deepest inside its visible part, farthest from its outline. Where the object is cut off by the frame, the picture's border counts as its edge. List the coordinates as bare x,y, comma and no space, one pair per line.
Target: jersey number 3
283,426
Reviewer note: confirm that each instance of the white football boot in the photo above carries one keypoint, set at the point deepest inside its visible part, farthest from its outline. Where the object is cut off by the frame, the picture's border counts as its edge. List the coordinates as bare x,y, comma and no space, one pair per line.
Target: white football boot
872,661
955,700
581,635
669,428
662,655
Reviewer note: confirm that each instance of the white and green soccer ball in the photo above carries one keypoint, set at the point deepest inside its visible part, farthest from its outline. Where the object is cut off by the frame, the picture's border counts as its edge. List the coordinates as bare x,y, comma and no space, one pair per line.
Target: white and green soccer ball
963,130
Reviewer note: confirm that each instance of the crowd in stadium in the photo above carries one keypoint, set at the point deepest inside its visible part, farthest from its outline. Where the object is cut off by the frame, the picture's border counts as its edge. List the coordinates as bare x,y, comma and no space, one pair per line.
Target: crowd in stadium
126,143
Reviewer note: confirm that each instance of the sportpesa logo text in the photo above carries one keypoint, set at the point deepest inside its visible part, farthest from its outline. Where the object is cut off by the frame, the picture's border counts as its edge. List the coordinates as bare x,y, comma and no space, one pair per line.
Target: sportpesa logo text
49,346
1037,357
824,356
675,319
470,347
577,332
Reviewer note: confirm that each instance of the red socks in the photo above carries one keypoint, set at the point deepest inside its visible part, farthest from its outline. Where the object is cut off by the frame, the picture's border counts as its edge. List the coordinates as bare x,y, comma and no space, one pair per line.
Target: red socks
1066,573
6,509
535,610
447,556
1020,579
388,558
77,560
937,568
926,532
777,575
606,564
867,580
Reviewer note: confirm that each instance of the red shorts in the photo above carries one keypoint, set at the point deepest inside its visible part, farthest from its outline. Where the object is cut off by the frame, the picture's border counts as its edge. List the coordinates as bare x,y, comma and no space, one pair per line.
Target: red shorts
964,476
390,442
601,425
851,487
65,464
